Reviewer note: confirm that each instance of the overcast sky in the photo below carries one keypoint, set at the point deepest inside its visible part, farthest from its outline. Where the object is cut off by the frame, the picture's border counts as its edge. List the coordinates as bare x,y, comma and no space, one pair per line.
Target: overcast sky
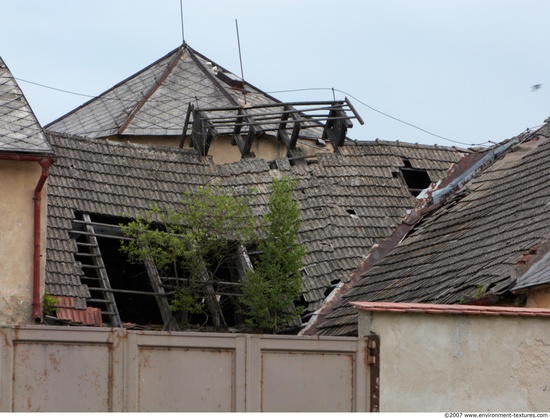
460,69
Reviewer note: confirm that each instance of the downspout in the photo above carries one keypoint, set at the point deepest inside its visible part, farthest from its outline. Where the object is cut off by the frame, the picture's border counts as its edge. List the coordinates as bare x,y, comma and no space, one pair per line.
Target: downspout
45,163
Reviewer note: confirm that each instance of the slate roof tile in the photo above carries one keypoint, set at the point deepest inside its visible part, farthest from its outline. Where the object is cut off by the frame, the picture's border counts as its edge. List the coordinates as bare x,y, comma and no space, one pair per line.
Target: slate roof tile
20,131
153,102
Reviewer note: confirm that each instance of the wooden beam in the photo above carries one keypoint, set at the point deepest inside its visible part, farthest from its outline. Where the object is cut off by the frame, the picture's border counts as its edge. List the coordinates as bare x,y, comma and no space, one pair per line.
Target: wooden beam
187,118
170,324
245,145
336,127
203,132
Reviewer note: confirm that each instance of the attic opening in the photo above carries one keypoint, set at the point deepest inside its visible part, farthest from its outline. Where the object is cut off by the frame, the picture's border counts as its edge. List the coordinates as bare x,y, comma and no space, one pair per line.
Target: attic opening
130,294
122,290
416,179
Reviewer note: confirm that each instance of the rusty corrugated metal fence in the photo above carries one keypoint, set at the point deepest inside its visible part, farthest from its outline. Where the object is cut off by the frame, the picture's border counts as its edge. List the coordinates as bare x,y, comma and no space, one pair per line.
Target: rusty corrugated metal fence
91,369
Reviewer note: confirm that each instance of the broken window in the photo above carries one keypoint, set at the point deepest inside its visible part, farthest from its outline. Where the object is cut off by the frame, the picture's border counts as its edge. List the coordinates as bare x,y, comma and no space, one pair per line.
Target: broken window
136,293
415,178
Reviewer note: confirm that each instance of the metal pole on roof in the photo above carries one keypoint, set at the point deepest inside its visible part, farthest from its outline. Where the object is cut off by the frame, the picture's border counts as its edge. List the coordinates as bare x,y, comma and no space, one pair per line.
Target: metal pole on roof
240,58
182,30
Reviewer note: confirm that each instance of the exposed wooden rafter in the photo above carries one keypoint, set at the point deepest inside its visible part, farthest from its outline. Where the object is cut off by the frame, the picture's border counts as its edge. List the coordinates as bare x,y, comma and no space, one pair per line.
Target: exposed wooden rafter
287,121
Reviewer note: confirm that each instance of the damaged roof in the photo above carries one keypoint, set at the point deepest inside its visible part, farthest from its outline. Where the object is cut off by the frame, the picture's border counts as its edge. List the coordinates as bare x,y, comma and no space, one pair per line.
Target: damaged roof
470,247
349,200
20,131
154,101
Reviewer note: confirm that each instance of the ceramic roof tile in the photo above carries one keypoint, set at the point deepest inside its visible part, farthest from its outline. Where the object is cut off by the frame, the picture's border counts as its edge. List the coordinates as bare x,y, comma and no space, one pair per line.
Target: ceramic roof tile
473,242
112,178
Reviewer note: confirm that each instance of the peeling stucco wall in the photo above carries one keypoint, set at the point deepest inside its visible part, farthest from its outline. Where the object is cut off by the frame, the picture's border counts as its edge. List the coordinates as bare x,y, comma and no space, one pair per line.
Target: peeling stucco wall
443,362
17,183
223,151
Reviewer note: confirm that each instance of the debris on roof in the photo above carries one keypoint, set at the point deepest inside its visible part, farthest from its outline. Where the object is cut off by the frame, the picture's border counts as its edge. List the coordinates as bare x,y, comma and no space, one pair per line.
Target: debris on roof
533,268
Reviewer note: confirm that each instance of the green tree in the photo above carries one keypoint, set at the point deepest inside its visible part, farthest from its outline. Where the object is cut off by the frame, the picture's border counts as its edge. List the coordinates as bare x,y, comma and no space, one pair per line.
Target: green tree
190,243
270,289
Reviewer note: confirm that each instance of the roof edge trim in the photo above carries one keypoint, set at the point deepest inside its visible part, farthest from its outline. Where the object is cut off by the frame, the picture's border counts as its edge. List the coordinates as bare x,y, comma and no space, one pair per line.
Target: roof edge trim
432,308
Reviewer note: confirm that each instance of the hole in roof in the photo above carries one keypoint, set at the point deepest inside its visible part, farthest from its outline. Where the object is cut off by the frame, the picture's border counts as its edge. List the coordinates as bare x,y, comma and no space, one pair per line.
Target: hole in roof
351,211
416,178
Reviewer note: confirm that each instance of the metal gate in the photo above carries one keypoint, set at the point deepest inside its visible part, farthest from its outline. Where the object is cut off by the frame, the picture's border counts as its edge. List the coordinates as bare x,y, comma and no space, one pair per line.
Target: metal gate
94,369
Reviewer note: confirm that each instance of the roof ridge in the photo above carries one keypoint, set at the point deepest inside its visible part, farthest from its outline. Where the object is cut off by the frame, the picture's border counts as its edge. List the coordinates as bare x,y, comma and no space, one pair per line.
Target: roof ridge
398,142
192,54
158,82
123,144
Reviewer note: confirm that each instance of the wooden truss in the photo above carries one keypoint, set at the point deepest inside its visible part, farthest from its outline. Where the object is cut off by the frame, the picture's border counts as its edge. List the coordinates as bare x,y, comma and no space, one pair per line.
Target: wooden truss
325,120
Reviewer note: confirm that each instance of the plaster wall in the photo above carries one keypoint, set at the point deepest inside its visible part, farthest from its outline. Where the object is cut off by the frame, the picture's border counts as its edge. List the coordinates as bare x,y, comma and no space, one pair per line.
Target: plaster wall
443,362
17,183
222,151
539,298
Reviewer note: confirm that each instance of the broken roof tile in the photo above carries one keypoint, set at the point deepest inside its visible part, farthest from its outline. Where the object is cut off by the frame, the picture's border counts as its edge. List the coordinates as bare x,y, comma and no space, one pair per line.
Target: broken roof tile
470,245
122,179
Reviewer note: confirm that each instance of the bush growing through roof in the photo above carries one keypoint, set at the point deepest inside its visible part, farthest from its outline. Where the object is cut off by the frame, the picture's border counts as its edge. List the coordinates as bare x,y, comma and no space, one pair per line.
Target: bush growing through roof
270,289
190,244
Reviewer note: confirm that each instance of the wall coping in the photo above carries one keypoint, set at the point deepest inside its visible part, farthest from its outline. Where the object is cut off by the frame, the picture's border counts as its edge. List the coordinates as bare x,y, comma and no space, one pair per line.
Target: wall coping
449,309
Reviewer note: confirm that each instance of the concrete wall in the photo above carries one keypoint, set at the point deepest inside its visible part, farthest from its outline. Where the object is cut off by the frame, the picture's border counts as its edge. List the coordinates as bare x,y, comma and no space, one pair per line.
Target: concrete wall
100,369
443,362
18,181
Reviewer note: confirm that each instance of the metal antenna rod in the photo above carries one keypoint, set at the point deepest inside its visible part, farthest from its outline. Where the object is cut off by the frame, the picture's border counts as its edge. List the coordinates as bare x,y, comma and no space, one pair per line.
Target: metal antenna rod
240,58
181,15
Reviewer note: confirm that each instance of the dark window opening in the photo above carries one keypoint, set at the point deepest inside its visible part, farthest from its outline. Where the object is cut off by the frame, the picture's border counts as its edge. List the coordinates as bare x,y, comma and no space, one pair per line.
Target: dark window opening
133,307
415,178
131,293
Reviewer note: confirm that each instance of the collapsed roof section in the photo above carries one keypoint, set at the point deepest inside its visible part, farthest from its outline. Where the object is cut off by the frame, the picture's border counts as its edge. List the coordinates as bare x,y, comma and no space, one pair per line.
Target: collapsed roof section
349,200
324,121
467,246
20,131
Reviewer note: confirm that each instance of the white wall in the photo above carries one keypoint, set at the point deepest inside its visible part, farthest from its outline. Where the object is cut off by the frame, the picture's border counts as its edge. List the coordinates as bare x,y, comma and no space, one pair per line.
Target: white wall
446,362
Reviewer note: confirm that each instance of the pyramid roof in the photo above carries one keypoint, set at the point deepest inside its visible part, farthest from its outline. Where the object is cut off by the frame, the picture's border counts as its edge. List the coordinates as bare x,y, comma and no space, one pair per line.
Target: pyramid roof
154,101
